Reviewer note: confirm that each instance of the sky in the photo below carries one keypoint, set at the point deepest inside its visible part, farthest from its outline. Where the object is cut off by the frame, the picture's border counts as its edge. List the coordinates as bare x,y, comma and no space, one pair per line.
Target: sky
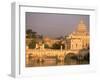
54,24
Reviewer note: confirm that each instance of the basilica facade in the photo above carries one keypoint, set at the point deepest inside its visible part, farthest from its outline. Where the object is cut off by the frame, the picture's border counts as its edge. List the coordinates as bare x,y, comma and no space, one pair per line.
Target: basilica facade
79,39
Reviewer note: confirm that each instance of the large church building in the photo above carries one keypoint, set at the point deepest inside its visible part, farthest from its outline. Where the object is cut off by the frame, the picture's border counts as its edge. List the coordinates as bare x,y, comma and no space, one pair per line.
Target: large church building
79,39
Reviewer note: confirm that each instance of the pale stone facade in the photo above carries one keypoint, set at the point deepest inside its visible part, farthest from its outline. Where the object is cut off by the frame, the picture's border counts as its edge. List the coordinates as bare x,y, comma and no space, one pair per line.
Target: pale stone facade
79,39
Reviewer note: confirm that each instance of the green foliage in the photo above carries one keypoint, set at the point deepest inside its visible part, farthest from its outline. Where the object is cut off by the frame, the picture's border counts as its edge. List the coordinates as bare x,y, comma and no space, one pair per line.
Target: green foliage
29,31
30,34
32,44
58,46
46,46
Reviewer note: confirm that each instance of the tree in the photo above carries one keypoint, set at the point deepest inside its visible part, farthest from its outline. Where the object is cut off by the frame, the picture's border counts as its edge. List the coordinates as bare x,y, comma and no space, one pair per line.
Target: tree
32,44
46,46
56,46
30,33
33,34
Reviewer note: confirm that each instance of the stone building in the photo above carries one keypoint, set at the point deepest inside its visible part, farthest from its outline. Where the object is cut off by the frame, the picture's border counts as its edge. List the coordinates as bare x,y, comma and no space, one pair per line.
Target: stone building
50,41
79,39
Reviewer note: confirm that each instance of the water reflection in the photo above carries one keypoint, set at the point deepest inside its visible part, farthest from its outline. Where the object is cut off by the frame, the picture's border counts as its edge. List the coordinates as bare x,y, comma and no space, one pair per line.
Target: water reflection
55,62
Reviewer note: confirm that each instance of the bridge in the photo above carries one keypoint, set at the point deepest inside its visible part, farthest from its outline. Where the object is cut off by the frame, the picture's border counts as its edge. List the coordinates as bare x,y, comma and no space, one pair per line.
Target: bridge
45,54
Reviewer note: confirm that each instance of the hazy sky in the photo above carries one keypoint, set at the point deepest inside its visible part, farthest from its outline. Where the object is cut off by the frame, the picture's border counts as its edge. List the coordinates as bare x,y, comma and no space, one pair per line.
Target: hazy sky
54,25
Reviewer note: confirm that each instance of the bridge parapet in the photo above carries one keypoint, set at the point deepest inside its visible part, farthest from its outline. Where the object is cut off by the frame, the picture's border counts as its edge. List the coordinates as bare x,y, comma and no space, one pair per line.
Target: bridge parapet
41,54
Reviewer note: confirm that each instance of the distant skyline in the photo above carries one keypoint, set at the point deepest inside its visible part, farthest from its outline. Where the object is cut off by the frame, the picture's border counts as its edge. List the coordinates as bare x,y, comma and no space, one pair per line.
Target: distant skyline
54,25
